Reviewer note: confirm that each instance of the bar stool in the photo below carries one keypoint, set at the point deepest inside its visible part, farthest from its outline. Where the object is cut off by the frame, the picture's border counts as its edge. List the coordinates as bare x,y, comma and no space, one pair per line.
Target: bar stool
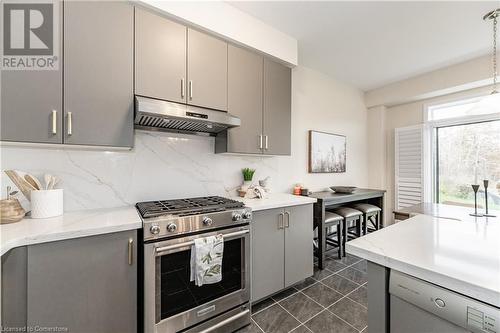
350,215
370,213
334,221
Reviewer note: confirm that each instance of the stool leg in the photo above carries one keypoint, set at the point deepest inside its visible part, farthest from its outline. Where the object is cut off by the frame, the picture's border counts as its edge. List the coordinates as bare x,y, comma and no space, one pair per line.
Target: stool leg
365,224
359,222
344,235
339,239
377,221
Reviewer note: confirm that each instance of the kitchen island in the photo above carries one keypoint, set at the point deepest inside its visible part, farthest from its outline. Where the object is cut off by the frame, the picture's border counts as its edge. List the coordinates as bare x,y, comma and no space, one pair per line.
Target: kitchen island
458,253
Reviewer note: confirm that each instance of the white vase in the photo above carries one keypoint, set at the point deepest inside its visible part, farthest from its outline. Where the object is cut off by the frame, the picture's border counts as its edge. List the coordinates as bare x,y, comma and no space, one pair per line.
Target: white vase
46,203
246,185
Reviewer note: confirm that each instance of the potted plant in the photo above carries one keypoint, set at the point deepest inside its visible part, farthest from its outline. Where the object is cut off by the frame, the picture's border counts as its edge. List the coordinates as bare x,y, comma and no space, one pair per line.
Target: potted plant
247,178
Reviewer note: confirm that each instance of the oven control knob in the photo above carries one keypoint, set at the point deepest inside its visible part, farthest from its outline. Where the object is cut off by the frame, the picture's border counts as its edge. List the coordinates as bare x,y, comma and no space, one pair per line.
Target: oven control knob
172,227
237,217
247,215
207,221
155,229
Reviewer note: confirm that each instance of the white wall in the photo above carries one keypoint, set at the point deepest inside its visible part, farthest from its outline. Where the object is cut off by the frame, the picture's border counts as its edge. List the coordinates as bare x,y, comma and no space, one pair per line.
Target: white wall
164,165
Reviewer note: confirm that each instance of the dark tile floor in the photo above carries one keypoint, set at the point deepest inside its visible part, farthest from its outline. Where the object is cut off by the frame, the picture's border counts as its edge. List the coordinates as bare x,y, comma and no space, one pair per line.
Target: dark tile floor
332,300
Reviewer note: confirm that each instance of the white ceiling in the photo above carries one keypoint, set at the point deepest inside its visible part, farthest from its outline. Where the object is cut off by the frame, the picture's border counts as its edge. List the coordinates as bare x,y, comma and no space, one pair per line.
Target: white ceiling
371,44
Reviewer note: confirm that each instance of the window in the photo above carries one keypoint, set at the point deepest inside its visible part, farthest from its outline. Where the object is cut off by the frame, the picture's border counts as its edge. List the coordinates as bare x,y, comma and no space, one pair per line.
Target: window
466,150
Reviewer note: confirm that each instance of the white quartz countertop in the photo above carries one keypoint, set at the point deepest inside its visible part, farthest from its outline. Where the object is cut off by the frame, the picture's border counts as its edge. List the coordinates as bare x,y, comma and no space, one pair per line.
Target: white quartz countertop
70,225
276,200
461,255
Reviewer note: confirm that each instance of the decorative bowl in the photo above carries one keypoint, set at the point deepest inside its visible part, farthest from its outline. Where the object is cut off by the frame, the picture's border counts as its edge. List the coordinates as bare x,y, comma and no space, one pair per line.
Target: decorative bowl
343,189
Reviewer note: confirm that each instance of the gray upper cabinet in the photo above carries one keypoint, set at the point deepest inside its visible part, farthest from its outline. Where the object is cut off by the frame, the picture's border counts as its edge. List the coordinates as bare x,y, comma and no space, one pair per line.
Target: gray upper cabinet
98,73
259,93
160,57
277,108
207,71
244,99
86,284
298,245
282,252
268,246
31,104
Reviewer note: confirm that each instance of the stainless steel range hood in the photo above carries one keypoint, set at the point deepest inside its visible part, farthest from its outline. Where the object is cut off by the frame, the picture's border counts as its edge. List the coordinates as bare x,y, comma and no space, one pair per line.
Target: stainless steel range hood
155,114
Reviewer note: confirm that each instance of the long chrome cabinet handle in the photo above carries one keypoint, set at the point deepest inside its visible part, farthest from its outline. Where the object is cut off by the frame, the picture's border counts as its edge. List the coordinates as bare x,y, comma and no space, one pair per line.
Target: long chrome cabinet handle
225,322
260,141
189,243
70,124
287,220
54,122
266,140
183,92
130,251
190,89
281,217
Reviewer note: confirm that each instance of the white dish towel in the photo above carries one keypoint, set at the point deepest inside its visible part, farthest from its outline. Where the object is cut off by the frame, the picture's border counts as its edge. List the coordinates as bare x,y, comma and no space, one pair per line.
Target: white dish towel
206,260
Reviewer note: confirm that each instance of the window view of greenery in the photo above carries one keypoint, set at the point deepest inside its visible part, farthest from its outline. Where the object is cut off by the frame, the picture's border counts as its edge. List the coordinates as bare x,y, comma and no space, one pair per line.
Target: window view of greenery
468,154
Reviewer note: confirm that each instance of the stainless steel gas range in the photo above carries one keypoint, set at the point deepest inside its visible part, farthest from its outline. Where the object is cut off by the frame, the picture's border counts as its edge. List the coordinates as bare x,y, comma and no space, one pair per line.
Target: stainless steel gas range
171,302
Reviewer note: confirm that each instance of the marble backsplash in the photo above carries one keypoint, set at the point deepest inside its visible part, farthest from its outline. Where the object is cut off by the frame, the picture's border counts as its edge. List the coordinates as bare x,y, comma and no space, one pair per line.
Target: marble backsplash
161,166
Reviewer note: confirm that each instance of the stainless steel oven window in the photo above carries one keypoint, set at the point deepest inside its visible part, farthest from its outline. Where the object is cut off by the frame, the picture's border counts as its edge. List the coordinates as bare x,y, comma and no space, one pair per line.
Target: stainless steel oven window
198,306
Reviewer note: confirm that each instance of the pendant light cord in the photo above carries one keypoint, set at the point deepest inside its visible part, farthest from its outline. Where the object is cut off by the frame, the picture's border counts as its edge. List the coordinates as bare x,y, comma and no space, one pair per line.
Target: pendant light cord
495,72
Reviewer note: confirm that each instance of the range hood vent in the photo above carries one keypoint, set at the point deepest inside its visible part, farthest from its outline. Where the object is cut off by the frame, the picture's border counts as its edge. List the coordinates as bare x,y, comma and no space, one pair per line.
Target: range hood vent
155,114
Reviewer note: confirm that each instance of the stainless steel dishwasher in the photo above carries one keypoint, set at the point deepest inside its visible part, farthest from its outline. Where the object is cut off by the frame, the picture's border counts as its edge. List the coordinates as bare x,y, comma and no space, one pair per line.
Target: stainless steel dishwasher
417,306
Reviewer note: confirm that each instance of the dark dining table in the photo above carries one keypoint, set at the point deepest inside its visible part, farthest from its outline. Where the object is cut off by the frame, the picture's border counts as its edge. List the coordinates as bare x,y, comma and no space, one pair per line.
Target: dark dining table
329,199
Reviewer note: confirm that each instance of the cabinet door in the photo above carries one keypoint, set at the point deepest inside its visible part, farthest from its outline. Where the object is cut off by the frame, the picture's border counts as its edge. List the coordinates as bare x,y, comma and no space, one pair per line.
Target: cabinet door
277,108
98,73
244,100
14,279
160,57
207,71
298,243
84,284
267,253
28,101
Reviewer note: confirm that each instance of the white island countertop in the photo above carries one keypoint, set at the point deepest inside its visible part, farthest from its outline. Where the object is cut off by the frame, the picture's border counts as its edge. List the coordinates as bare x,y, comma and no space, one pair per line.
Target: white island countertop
276,200
460,255
70,225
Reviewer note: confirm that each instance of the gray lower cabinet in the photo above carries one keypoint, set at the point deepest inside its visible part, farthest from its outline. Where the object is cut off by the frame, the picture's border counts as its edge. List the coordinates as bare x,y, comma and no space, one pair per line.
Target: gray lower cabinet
31,104
207,70
87,284
277,108
160,57
14,282
98,73
268,252
281,249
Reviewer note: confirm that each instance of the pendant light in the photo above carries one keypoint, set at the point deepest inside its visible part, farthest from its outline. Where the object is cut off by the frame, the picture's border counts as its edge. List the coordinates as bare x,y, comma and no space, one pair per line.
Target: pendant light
491,104
494,15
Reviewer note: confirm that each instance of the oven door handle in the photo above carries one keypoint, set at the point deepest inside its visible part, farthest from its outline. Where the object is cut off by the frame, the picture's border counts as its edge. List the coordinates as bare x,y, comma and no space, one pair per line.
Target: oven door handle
162,249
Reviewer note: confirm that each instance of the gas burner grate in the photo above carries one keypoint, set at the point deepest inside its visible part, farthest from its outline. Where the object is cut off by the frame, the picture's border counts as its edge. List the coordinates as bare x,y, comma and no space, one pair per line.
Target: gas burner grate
185,207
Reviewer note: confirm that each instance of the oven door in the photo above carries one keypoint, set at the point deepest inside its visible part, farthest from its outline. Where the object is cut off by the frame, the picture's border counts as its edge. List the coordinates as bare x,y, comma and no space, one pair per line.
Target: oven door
173,303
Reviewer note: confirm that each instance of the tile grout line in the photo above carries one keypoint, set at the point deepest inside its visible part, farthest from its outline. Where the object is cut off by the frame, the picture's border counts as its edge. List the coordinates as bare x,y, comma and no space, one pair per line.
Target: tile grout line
354,300
258,326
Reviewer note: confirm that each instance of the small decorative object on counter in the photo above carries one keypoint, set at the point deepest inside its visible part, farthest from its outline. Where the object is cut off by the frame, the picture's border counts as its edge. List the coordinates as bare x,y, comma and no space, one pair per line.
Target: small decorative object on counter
304,192
296,189
343,189
46,203
247,178
475,188
10,209
266,183
256,192
486,213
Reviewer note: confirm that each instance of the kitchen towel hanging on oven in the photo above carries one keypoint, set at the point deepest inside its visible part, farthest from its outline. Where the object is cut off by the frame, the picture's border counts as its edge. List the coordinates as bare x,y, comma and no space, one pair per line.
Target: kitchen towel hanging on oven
206,260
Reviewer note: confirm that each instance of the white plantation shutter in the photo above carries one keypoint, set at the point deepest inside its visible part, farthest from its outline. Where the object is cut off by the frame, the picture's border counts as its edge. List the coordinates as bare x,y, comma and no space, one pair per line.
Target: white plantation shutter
409,163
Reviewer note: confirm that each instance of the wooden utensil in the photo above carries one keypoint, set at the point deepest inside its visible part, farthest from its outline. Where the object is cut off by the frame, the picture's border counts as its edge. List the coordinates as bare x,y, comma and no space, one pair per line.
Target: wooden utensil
21,184
11,211
33,181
